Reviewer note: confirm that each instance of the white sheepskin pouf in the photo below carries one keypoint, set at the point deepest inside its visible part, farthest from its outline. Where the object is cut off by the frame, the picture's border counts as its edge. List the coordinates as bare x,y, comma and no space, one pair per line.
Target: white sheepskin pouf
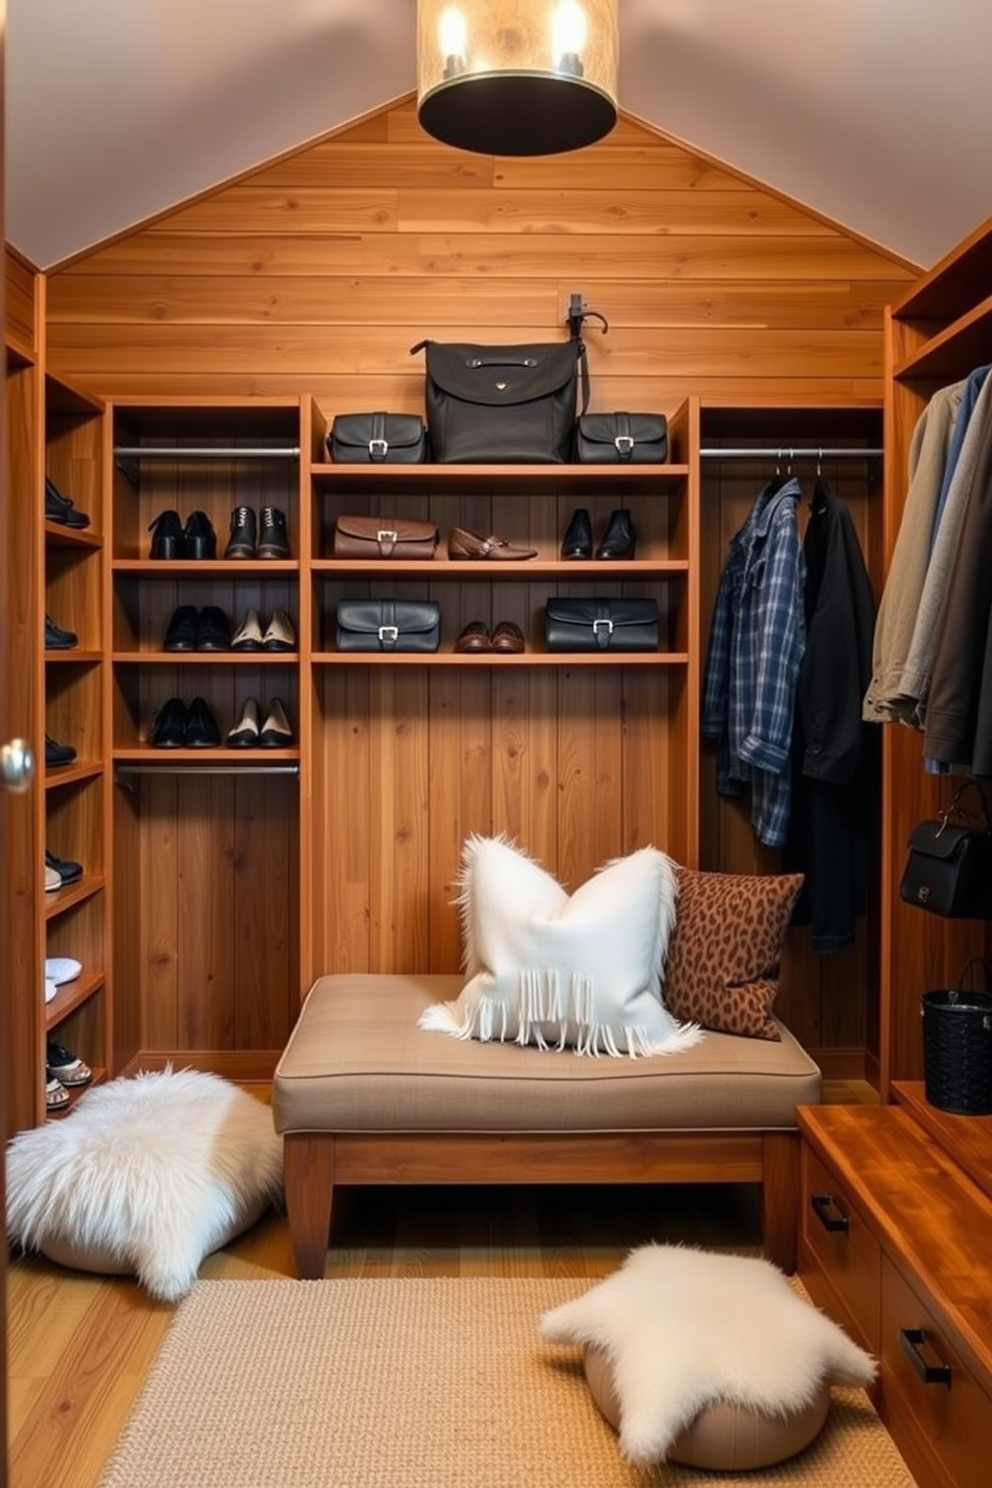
681,1330
146,1175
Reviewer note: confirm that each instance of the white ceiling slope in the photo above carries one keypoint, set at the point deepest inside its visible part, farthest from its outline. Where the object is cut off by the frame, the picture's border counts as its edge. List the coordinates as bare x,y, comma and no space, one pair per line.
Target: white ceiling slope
875,113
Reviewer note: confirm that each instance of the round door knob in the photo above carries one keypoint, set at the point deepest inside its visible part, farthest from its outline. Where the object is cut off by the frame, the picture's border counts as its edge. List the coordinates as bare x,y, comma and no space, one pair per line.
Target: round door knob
16,765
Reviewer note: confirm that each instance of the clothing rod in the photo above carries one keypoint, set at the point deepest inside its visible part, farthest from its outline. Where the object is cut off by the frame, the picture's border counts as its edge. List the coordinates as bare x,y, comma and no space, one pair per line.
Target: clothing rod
786,452
213,452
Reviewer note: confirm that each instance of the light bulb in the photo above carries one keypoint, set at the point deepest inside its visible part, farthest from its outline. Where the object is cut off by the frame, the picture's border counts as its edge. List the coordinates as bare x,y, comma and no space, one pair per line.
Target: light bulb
568,33
452,35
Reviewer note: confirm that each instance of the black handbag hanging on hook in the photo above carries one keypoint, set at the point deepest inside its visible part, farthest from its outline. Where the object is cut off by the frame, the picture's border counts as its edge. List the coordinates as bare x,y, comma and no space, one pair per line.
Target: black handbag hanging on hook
507,405
949,867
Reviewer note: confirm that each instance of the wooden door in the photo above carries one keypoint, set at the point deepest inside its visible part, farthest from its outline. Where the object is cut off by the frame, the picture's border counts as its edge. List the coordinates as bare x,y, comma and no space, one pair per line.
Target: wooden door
17,908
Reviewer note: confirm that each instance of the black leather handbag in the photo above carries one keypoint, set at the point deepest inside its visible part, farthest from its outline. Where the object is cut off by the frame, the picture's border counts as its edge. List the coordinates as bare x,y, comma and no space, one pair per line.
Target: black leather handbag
378,439
621,438
388,625
601,625
949,864
502,405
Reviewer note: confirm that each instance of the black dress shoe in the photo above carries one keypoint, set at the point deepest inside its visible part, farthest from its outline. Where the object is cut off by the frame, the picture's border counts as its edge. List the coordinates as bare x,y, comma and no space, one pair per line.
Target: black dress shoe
273,540
201,726
213,631
200,537
168,538
61,509
241,543
57,639
67,870
620,538
577,542
169,728
180,633
56,753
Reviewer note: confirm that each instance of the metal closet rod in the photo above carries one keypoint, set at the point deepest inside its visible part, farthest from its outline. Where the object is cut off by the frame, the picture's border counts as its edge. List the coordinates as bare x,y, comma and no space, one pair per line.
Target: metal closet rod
213,452
790,452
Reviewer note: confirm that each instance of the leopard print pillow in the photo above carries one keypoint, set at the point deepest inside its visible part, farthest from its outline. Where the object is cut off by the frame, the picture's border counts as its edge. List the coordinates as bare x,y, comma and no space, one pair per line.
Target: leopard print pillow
721,970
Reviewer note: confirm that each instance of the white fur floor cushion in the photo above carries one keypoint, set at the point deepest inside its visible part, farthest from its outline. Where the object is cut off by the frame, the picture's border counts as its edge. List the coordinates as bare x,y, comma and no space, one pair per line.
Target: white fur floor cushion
146,1175
685,1329
555,970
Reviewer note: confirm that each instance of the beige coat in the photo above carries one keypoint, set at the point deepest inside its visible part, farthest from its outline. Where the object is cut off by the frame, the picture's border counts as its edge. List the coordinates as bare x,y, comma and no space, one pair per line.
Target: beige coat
896,620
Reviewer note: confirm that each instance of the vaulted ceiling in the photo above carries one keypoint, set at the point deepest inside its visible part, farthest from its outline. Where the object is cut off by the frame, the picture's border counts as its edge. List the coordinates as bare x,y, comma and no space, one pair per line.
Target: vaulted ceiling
875,113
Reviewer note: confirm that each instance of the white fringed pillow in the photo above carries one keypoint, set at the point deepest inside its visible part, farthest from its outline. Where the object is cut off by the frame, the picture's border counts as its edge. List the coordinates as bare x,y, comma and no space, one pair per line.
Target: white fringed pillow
146,1175
555,970
688,1329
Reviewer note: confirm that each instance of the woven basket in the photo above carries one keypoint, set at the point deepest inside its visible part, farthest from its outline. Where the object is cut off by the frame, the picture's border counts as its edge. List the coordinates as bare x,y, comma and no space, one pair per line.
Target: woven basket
957,1047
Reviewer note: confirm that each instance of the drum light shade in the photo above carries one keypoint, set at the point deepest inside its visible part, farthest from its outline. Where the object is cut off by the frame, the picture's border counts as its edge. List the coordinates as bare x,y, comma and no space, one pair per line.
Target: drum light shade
517,77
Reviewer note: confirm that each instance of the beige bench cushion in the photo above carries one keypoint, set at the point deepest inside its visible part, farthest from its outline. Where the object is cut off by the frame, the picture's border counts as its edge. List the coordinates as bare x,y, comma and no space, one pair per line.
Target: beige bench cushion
357,1062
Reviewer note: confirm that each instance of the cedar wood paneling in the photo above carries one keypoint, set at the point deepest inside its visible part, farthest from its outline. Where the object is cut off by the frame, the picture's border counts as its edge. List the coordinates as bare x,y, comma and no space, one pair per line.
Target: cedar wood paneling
315,275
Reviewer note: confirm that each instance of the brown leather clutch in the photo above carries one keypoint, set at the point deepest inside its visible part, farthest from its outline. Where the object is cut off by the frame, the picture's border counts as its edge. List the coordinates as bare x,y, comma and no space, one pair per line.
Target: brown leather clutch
384,537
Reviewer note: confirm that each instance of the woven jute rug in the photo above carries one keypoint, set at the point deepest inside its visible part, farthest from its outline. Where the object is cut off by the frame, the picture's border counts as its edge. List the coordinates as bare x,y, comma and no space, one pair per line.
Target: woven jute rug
423,1383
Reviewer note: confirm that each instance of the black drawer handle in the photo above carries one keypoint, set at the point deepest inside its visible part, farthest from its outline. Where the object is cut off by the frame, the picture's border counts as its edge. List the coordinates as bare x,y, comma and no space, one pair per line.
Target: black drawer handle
834,1221
912,1340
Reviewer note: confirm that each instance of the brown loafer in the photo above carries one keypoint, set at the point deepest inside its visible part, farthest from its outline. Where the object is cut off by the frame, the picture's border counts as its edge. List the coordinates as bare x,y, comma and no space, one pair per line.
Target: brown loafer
463,544
475,637
507,637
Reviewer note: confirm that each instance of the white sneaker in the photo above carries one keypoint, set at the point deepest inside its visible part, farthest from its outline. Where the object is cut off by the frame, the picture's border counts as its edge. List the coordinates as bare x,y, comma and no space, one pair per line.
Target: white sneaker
61,969
50,989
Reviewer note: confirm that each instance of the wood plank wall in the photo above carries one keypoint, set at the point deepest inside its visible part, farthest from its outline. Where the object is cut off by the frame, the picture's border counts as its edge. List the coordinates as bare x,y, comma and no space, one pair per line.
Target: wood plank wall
320,272
315,275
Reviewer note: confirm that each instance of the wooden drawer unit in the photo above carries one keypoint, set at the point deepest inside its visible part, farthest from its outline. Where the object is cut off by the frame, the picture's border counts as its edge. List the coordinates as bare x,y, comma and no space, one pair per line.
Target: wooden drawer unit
894,1245
931,1401
839,1257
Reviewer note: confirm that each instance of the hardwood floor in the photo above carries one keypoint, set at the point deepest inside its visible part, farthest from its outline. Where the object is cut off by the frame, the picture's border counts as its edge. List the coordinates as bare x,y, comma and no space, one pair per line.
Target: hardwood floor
80,1346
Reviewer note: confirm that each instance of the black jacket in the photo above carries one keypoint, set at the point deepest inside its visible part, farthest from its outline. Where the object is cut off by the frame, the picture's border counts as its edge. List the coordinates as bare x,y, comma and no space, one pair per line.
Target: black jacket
835,753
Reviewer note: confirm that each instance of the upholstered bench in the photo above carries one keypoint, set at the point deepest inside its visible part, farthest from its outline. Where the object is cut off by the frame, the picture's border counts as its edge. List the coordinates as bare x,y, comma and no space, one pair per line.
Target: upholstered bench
361,1095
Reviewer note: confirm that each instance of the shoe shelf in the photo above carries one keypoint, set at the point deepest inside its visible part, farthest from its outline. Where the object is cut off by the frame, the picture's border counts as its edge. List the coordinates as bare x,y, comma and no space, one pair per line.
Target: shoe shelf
210,458
72,995
199,568
58,776
75,812
58,901
209,758
231,462
57,536
158,657
443,567
78,656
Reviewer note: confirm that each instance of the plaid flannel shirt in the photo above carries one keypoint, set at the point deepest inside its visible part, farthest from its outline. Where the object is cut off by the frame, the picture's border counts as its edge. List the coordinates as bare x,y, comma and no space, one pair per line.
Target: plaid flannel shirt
757,640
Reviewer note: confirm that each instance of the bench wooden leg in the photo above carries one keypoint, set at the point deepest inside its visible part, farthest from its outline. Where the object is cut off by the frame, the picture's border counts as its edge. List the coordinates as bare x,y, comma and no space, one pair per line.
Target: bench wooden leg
308,1180
780,1198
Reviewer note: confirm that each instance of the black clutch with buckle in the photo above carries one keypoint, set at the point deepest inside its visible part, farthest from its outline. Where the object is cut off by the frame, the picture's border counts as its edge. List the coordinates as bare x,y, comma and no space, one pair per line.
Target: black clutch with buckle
378,439
621,438
388,625
601,625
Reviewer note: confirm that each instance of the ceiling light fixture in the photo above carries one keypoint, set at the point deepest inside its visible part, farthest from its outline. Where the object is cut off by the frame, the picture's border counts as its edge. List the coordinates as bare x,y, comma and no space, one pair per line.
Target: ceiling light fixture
517,77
